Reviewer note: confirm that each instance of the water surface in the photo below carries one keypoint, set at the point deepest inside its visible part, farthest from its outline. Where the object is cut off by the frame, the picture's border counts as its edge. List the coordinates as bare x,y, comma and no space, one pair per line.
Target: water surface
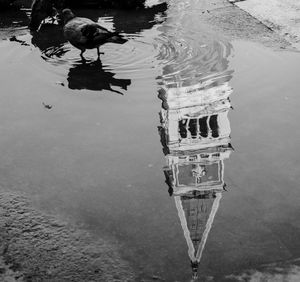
138,147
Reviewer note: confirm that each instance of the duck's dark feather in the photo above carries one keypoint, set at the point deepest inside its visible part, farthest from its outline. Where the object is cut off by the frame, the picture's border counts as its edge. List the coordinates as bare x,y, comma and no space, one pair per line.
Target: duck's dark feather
83,33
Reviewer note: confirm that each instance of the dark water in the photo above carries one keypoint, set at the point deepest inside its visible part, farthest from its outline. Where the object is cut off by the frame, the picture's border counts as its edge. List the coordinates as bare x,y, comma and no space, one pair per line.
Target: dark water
144,148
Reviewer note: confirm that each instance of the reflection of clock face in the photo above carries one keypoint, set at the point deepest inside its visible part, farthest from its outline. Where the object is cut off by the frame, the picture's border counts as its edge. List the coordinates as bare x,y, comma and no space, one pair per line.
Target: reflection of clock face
198,170
194,174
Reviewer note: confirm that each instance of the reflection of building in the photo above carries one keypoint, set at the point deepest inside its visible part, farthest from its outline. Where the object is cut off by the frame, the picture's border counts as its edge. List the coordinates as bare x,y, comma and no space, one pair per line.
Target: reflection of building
194,125
195,133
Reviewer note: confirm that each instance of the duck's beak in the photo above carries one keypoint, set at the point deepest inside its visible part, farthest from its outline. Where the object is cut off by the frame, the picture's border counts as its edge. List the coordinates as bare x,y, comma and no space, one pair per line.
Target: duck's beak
59,17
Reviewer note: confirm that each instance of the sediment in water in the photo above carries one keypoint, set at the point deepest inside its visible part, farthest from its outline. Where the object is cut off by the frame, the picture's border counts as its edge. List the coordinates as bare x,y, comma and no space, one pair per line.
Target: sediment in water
38,247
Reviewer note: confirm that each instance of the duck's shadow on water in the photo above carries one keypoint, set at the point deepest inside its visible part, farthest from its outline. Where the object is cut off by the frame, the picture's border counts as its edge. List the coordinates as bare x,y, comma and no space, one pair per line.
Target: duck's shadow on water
92,76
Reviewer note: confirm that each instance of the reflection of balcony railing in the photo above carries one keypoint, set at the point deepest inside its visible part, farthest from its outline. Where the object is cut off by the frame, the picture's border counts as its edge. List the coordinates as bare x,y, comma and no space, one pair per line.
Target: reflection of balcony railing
203,127
196,127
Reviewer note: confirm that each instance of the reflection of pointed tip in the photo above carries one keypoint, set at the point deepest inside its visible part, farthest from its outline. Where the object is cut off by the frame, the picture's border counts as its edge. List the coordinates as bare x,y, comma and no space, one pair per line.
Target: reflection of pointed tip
194,265
194,275
231,147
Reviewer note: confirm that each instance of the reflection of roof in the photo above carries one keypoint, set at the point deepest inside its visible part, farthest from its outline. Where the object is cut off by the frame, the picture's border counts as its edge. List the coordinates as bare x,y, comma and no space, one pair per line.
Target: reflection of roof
196,217
194,95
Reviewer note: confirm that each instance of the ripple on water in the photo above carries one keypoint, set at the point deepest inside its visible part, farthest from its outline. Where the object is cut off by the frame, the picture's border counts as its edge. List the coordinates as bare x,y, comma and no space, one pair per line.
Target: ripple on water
187,61
188,50
134,59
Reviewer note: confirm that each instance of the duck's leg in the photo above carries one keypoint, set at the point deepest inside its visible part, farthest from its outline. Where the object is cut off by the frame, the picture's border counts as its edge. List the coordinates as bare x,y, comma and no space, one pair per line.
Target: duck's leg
81,55
98,52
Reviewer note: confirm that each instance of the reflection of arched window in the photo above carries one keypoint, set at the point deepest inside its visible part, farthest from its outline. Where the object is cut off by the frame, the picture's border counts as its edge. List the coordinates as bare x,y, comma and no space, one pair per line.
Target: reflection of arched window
193,128
182,128
199,127
213,124
203,127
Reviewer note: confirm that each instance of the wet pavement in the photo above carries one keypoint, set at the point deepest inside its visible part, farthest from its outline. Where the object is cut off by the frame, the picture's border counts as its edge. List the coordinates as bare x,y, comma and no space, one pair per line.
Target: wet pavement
281,16
179,146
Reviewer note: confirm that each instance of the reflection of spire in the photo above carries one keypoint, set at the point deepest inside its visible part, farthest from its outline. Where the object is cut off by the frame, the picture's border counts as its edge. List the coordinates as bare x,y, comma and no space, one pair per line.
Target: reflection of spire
196,213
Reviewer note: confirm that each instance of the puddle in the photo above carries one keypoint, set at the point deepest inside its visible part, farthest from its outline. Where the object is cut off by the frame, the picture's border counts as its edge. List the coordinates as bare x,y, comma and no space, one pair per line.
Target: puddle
193,169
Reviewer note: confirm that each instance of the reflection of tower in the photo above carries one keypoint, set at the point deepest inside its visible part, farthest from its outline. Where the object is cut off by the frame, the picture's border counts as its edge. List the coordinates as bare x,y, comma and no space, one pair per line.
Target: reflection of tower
195,133
194,130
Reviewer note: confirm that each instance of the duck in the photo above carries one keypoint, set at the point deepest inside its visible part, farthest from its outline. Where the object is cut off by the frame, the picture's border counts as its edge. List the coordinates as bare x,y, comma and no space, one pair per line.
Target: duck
84,33
42,9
